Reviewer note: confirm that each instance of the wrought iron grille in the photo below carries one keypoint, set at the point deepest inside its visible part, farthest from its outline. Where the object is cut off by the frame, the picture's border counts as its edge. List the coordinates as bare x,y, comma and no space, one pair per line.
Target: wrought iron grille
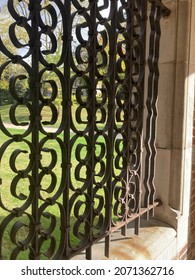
72,139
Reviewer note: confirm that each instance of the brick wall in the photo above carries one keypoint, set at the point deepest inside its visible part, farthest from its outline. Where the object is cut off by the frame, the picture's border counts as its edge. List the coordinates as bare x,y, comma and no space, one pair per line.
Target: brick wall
191,242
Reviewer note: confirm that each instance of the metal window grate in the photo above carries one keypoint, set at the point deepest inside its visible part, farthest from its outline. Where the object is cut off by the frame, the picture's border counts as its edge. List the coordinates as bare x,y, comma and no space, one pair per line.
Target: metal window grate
73,174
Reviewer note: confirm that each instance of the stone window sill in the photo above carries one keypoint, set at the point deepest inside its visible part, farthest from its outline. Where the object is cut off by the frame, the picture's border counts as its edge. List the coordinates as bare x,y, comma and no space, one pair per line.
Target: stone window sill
156,241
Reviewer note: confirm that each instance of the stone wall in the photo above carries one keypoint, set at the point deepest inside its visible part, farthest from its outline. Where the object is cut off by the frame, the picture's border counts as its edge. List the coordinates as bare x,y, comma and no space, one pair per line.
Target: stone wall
191,241
175,124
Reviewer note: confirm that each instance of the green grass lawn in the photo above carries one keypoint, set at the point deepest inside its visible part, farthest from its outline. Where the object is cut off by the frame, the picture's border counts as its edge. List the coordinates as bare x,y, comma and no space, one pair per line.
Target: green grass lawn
14,198
78,116
14,195
10,196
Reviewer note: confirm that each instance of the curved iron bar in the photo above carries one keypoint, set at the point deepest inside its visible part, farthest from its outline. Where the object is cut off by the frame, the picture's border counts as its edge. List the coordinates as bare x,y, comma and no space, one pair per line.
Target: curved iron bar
93,55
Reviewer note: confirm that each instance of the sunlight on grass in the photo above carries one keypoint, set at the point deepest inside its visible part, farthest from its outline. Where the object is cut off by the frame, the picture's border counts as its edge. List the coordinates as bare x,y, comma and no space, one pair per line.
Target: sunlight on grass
17,188
15,191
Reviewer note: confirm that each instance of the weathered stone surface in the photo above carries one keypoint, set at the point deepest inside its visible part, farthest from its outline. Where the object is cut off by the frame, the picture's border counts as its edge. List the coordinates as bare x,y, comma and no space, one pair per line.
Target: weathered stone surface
156,240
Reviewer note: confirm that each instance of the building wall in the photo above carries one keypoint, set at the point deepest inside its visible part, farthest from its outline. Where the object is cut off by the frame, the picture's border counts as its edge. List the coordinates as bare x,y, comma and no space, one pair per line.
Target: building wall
176,131
191,245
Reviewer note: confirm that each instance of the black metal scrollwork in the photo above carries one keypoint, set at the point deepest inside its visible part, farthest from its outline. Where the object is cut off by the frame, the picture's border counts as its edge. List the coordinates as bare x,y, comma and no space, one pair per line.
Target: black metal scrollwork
73,175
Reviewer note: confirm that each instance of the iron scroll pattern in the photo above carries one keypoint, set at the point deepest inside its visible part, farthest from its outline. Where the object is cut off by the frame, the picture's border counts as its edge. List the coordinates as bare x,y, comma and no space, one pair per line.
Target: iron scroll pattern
64,188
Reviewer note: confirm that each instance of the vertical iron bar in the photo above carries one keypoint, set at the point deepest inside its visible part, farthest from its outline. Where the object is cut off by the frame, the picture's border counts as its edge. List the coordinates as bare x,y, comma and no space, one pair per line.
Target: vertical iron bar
92,75
151,103
67,112
154,103
128,82
149,109
34,6
111,107
107,245
143,10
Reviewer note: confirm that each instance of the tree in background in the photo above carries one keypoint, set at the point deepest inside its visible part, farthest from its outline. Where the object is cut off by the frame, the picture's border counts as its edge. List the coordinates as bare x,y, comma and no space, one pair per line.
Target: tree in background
46,48
11,69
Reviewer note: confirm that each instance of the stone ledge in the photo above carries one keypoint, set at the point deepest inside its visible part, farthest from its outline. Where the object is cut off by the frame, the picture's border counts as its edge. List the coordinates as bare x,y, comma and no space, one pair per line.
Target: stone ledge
156,241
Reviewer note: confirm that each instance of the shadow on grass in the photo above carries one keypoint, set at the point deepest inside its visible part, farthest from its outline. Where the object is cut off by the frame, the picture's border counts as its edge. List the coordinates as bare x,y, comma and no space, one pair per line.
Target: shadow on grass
16,238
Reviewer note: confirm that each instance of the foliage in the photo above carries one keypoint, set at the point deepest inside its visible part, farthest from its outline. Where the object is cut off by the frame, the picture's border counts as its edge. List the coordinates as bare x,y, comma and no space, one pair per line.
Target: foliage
11,69
51,56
